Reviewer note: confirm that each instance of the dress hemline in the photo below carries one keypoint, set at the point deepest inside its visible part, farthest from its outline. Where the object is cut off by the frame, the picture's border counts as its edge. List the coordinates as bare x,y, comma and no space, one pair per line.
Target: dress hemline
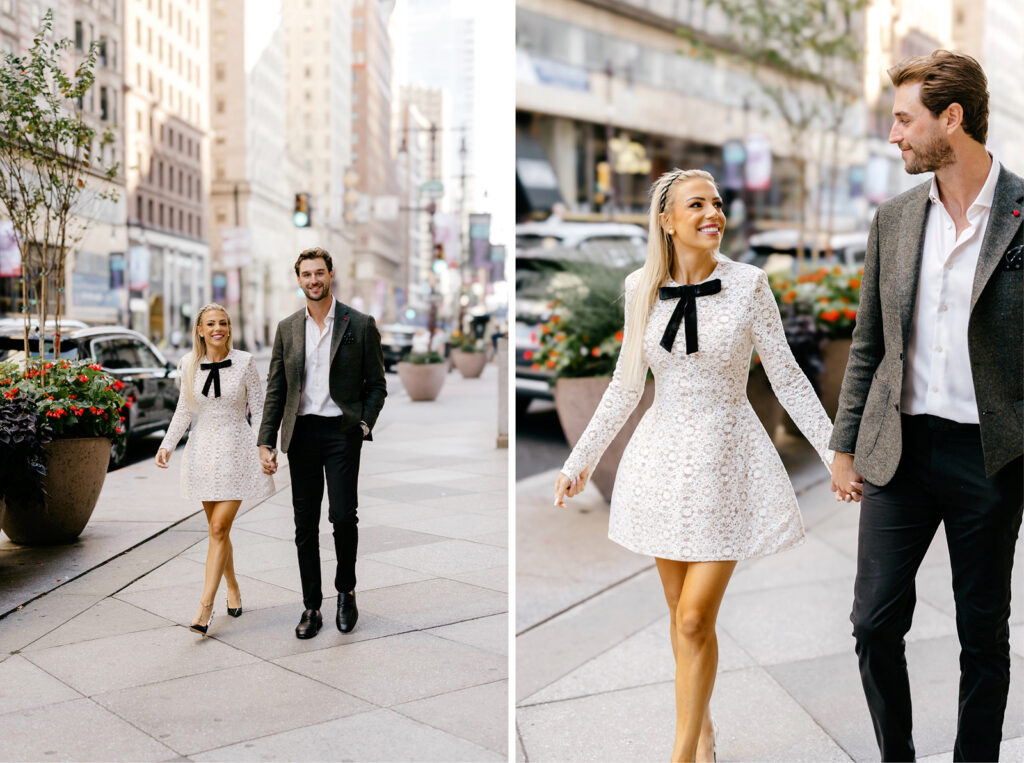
708,557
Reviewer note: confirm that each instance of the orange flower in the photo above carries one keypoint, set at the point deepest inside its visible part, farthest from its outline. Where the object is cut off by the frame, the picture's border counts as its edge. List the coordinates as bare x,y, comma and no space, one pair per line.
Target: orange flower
551,364
535,366
789,296
837,270
595,352
559,337
555,318
854,283
830,315
823,300
849,313
618,336
845,300
545,329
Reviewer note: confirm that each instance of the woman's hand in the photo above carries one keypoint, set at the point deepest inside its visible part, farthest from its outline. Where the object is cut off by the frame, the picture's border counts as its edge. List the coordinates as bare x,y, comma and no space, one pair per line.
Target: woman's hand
162,457
846,483
566,488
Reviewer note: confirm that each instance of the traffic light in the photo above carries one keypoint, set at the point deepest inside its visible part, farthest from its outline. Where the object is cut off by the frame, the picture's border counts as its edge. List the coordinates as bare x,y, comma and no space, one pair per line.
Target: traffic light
301,215
438,265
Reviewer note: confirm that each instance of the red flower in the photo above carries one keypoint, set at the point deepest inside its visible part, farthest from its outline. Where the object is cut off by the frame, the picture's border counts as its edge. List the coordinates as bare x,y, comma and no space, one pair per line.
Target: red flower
527,354
96,367
535,366
849,313
551,364
618,335
596,351
128,403
73,397
82,378
118,385
854,283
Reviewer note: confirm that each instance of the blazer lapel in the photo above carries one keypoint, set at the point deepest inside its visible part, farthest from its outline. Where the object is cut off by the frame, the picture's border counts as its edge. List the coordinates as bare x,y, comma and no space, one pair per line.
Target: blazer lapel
341,320
1002,225
298,358
909,246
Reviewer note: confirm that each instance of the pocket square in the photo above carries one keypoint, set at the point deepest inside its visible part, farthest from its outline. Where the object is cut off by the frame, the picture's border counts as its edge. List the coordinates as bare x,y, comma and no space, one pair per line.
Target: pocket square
348,338
1013,259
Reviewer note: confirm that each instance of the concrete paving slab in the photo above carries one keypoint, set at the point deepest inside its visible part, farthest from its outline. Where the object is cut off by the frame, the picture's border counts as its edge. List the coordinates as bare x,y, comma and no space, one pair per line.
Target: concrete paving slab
499,539
179,603
466,525
24,686
374,540
495,578
489,633
134,659
470,500
401,514
370,574
414,493
396,669
430,603
380,735
228,706
33,621
555,648
1010,749
108,617
813,561
838,704
178,571
431,475
466,714
76,730
270,633
812,620
445,557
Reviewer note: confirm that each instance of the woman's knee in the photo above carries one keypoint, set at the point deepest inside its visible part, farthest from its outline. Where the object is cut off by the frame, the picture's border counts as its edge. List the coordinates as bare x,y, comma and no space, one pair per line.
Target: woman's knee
219,531
694,626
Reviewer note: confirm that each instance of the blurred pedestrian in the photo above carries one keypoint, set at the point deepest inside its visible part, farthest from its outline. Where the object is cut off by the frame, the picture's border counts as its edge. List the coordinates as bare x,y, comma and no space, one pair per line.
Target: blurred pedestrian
700,484
221,464
325,389
930,411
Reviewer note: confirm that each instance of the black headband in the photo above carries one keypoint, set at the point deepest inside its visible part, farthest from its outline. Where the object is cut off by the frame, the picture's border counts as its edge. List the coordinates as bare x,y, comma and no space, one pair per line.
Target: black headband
664,191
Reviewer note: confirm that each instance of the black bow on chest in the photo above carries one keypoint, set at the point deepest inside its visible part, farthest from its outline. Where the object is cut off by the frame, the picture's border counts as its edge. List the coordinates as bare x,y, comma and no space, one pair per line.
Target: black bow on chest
687,308
214,377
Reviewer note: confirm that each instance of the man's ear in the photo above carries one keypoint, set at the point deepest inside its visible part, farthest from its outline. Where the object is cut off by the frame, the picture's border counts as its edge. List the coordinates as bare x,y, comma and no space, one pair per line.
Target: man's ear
953,117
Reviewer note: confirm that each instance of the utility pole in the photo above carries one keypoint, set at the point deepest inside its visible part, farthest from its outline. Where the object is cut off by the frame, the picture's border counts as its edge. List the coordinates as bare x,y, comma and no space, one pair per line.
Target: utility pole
241,283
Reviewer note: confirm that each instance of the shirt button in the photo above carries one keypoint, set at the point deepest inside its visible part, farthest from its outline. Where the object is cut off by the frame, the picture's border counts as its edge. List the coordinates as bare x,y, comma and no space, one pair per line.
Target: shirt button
938,349
943,308
935,389
949,266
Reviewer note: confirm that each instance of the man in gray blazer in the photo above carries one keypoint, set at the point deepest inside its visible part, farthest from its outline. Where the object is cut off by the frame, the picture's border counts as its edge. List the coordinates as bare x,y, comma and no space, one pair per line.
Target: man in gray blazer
324,391
929,427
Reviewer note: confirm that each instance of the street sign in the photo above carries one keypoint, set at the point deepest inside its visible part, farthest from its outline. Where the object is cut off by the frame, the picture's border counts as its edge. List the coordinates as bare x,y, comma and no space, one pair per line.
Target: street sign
433,188
235,247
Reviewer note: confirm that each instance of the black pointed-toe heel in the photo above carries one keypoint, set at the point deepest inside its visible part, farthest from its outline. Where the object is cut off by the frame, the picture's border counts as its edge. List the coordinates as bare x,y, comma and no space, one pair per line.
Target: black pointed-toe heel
202,629
234,611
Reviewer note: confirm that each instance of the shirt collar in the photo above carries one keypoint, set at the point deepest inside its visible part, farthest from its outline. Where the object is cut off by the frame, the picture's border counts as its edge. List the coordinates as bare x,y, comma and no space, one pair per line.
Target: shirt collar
985,195
330,313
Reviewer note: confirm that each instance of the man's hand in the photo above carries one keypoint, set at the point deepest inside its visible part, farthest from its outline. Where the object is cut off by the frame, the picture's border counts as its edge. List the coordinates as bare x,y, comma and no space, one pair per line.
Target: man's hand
566,488
268,458
846,483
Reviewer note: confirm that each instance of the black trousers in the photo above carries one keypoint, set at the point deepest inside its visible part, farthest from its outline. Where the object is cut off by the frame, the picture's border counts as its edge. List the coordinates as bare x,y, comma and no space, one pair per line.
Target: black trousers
321,450
940,478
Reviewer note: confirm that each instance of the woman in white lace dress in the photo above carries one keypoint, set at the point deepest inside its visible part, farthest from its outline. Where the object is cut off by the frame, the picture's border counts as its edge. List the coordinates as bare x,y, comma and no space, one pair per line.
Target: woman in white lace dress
221,465
700,484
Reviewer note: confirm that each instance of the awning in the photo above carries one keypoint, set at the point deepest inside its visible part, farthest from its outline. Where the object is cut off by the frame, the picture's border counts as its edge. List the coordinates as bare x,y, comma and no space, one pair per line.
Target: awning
536,182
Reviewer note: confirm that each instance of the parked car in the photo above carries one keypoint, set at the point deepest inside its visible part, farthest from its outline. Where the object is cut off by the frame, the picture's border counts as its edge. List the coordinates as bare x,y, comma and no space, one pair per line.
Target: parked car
776,250
151,382
542,252
396,342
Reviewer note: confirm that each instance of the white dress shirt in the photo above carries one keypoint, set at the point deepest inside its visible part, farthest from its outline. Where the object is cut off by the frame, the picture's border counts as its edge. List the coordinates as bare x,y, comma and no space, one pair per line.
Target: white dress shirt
316,389
937,376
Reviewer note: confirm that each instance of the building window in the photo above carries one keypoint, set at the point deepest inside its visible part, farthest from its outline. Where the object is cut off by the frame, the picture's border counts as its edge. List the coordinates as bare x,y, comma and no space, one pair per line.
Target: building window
149,205
161,220
219,105
79,36
138,207
102,52
160,184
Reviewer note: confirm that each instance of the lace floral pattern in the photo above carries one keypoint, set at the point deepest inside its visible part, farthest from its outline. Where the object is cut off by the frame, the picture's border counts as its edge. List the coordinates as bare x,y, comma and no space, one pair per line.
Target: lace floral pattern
221,461
700,479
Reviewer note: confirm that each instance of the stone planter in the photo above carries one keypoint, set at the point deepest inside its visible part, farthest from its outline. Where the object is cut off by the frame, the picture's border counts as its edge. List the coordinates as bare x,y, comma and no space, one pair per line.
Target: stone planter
764,402
470,364
835,353
75,470
575,401
422,381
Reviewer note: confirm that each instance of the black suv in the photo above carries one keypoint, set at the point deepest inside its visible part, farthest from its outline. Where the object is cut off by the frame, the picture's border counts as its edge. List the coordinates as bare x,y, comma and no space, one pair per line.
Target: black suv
151,382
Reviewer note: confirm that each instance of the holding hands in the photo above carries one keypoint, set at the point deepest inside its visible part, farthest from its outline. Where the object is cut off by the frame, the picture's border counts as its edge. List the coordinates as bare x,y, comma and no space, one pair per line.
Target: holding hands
846,483
268,459
566,488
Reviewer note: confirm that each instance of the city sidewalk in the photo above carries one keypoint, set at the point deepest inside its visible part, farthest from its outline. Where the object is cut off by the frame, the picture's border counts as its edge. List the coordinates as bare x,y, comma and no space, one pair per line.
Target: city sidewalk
102,667
594,674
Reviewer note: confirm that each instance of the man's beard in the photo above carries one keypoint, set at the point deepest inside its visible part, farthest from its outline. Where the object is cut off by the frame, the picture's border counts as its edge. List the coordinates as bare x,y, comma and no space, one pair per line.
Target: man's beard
931,156
311,298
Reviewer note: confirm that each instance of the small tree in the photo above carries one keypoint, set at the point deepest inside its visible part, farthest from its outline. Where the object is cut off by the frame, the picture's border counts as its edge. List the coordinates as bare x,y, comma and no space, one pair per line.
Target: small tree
805,60
51,173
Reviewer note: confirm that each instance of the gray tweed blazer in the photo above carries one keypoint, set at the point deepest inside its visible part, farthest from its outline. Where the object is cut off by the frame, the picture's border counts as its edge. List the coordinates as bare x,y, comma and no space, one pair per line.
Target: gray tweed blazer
868,418
356,376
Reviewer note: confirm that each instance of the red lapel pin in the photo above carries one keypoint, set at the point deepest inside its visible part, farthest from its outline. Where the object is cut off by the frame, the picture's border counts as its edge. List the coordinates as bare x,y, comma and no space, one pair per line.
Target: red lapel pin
1016,213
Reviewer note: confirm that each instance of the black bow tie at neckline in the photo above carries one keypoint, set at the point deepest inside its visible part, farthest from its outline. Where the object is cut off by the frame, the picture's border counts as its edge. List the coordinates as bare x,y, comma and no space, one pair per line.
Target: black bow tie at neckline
214,377
687,308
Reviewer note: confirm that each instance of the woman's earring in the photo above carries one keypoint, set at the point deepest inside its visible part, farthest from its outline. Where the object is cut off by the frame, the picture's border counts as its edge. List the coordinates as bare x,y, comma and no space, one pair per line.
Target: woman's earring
671,232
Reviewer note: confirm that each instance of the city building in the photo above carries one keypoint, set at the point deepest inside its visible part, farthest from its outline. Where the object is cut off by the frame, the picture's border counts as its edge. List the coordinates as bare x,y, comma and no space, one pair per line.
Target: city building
166,130
92,291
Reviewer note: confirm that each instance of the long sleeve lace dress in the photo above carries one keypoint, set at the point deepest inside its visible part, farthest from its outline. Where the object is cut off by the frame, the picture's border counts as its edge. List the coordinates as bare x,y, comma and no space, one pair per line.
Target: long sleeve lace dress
700,479
221,461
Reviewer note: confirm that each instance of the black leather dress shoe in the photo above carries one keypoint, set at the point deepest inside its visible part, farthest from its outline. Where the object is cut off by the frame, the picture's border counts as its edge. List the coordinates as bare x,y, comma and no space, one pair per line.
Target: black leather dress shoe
309,624
347,612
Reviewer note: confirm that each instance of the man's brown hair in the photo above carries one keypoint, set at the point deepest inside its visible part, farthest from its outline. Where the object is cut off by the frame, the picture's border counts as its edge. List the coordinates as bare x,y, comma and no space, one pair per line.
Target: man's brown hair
314,253
946,78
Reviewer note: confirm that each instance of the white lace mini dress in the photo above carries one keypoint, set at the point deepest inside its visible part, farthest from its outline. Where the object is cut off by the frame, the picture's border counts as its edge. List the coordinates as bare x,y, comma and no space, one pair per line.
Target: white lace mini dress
700,479
221,461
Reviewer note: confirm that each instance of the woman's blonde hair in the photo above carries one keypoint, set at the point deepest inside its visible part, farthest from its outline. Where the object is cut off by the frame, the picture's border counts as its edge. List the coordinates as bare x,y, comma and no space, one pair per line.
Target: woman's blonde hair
191,361
656,271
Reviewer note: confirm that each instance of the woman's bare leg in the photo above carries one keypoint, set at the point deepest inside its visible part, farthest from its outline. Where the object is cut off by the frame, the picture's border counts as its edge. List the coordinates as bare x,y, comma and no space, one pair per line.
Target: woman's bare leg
220,515
694,591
